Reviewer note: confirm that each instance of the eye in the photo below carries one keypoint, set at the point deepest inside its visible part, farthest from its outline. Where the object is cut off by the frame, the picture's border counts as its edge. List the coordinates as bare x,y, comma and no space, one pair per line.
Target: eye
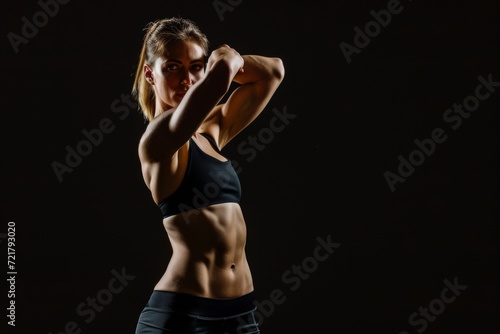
171,67
197,67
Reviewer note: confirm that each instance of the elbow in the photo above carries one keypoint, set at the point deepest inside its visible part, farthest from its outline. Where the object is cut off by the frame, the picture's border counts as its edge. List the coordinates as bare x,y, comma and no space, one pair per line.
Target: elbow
278,69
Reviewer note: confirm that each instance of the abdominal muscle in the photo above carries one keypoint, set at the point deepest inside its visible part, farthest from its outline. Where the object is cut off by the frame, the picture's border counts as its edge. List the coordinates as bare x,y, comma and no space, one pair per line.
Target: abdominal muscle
208,253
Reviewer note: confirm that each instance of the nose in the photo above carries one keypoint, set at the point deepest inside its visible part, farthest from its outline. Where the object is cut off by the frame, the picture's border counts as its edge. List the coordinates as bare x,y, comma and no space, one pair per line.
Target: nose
187,79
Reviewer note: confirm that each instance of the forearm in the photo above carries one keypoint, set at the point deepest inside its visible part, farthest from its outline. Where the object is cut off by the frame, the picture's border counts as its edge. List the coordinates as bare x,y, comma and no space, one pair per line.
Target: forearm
260,68
169,131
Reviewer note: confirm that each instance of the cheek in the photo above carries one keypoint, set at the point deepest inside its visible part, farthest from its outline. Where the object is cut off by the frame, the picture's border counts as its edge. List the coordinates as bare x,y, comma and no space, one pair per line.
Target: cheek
166,84
172,81
199,76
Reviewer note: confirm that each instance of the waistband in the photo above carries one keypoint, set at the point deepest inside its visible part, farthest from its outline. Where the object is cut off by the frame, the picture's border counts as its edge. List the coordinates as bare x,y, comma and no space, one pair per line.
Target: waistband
202,306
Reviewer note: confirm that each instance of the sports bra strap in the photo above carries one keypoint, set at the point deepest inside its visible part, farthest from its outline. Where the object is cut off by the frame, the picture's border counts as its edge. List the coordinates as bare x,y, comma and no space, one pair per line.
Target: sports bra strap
211,140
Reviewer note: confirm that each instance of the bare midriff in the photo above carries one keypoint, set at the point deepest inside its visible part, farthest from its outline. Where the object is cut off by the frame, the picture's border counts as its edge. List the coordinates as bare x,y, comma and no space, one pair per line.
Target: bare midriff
208,253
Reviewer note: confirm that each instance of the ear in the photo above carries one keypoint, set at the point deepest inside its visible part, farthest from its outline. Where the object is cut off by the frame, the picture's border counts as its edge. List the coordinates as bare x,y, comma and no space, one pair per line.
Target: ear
148,74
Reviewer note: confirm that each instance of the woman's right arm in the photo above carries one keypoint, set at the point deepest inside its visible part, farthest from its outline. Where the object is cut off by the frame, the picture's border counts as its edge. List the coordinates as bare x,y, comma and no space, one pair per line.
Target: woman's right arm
160,146
170,130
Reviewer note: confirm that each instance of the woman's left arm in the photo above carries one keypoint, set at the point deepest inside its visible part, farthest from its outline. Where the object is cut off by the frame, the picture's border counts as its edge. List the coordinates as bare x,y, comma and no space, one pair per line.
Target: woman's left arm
257,84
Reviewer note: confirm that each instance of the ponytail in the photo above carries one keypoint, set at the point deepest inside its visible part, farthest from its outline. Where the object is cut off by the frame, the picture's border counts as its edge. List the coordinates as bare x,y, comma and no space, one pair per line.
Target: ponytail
142,90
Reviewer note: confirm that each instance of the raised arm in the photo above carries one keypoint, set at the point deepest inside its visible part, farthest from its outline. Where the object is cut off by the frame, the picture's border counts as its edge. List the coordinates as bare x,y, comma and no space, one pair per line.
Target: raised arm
257,84
172,129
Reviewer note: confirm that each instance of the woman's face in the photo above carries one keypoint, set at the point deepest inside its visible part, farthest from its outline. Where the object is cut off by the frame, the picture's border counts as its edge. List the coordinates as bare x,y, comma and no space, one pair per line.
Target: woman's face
173,73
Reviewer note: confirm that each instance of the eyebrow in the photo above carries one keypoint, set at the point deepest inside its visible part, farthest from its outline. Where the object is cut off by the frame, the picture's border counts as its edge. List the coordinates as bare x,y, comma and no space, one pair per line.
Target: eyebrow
201,60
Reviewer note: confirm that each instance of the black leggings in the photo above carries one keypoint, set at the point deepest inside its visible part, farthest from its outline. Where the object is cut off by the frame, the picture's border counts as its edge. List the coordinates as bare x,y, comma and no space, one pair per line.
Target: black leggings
175,313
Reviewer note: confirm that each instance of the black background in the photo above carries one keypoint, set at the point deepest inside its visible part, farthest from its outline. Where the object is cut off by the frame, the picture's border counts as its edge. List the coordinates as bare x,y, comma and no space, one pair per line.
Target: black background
320,176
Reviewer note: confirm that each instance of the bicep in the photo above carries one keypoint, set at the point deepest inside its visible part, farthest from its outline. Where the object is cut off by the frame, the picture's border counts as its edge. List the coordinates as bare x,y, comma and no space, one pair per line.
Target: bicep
244,105
159,142
161,171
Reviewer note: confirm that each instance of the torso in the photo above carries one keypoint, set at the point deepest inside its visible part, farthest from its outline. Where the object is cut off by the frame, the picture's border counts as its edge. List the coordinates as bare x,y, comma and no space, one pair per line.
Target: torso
208,256
208,249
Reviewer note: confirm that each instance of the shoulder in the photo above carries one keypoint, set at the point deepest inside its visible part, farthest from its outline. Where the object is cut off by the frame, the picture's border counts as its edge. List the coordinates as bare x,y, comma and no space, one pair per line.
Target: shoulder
154,141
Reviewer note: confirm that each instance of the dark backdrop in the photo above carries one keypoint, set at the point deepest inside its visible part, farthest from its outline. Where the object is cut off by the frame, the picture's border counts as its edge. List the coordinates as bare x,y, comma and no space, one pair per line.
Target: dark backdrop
333,248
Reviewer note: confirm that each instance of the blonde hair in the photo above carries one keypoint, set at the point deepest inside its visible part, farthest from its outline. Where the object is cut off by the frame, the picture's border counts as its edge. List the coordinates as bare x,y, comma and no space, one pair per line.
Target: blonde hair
158,34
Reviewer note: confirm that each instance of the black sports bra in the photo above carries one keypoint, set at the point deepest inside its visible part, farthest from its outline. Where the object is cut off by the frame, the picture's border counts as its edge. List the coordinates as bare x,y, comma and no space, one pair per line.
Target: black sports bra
207,181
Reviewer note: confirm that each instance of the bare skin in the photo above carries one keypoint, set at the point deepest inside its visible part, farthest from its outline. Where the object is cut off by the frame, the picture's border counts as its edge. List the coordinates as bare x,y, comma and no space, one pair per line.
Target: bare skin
208,244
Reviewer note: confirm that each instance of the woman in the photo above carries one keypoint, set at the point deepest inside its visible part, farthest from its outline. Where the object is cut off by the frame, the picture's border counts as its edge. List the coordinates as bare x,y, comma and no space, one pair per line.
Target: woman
207,286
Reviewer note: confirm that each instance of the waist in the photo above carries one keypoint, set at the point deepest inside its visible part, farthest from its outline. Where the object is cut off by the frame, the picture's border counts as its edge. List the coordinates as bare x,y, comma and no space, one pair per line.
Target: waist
202,306
207,278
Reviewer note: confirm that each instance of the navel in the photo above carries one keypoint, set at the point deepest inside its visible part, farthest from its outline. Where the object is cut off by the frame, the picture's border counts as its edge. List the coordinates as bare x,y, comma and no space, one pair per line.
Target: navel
233,266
